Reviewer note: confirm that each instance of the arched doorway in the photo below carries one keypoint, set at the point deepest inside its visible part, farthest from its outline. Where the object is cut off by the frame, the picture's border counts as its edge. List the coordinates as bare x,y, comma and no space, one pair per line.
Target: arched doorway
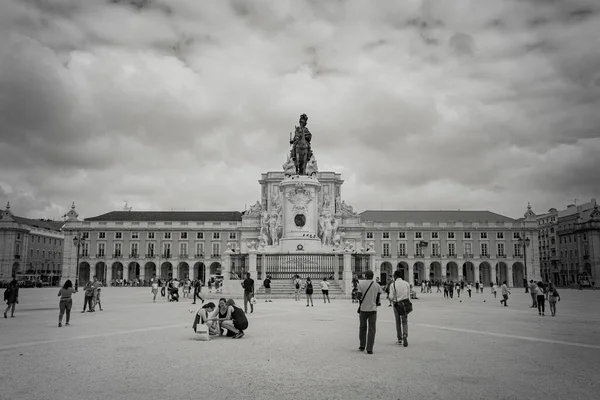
215,268
501,273
133,271
468,272
84,273
485,273
386,272
117,270
403,268
101,271
183,270
435,273
166,270
518,274
452,271
16,267
419,272
149,270
200,271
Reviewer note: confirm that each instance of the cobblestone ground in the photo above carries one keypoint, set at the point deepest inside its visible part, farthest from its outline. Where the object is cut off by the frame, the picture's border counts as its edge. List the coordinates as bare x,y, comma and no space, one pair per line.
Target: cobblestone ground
136,349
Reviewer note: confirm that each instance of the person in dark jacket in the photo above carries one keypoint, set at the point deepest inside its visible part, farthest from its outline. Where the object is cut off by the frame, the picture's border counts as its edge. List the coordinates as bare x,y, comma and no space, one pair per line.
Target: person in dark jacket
11,296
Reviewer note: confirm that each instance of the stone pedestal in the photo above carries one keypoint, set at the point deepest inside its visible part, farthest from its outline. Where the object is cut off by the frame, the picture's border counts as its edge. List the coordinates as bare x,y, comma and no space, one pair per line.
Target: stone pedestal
300,217
348,272
252,265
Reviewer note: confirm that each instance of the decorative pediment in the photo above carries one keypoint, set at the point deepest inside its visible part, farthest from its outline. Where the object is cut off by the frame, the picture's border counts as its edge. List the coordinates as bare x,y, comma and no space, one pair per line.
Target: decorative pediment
300,198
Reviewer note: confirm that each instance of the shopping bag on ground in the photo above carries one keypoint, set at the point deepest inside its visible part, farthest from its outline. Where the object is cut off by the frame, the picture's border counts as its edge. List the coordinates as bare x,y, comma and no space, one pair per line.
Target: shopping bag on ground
202,333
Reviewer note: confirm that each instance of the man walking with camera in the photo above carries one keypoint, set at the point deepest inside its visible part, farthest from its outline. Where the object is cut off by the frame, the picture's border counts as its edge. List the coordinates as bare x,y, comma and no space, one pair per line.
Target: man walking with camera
369,292
400,295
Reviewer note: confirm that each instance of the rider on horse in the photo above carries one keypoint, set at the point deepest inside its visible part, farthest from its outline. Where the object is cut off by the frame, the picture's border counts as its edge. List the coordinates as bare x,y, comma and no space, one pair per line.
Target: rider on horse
307,136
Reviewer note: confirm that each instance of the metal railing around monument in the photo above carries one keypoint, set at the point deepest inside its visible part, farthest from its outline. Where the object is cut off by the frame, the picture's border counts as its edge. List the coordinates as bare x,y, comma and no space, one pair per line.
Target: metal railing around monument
286,266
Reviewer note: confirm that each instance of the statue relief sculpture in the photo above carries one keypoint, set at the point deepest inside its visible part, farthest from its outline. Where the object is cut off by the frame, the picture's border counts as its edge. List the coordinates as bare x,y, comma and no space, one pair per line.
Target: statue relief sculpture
263,237
328,228
301,151
254,210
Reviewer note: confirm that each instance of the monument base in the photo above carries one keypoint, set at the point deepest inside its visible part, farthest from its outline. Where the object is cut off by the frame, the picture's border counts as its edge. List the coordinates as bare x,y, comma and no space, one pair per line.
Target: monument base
301,245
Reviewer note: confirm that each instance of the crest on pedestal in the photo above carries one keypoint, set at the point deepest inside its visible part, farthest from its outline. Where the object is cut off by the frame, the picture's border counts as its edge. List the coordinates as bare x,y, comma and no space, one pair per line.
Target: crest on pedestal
300,198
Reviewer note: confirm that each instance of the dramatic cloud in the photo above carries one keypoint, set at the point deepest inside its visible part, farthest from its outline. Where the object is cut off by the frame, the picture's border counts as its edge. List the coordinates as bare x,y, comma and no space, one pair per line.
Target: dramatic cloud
181,104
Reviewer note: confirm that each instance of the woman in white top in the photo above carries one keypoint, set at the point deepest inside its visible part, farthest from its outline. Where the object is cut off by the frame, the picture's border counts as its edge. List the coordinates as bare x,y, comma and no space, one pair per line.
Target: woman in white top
325,290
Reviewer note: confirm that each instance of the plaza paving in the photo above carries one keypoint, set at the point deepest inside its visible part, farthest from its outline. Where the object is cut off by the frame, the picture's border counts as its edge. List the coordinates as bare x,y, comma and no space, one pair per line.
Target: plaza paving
136,349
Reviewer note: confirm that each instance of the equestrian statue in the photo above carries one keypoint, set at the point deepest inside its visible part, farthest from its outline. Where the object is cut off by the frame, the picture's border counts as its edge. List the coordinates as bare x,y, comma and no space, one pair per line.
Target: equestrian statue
301,152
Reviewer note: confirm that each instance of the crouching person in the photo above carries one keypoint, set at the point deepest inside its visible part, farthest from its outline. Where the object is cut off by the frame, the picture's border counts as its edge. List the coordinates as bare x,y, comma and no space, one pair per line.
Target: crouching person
238,322
202,318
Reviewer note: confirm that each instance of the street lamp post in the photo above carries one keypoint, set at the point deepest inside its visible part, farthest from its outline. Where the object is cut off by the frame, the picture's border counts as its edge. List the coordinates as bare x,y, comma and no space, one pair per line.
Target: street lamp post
524,242
78,241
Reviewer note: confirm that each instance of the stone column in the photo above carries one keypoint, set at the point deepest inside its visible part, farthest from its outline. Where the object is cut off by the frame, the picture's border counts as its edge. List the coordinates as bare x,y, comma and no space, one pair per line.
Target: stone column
374,267
493,274
252,256
108,274
142,273
175,269
475,273
460,273
157,269
411,274
443,271
509,276
427,270
336,267
226,265
348,272
192,272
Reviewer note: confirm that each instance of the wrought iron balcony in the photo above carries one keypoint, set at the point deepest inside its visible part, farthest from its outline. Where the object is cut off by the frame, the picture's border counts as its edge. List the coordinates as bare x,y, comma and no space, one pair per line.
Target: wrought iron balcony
419,255
133,255
436,256
386,256
166,255
467,255
200,255
451,256
484,256
500,255
100,255
401,254
150,255
117,255
183,255
215,256
517,255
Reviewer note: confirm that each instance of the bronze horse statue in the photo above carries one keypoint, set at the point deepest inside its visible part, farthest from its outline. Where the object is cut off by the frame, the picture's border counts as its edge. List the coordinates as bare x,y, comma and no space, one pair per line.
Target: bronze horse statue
301,156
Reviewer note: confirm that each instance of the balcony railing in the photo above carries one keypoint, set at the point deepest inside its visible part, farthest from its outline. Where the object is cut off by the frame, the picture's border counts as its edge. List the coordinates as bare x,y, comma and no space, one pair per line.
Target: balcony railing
419,255
150,255
401,254
200,255
85,254
215,256
100,255
166,255
133,255
484,256
17,256
183,255
386,256
451,256
517,255
117,255
500,255
467,255
436,256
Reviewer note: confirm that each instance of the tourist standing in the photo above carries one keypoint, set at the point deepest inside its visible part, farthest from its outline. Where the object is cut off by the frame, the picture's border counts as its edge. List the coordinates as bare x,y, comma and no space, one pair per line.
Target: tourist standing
11,297
369,292
457,288
494,289
88,299
400,294
154,287
541,298
553,296
469,288
98,302
267,285
96,285
505,292
66,302
297,286
325,290
248,285
309,292
533,290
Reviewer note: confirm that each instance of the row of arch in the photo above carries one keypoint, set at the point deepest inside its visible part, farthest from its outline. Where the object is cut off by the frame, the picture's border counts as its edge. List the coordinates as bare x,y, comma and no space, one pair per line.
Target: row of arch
467,271
133,270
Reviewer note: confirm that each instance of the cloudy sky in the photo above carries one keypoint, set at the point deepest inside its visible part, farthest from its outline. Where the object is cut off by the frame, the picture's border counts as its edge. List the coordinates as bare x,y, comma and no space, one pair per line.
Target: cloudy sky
182,104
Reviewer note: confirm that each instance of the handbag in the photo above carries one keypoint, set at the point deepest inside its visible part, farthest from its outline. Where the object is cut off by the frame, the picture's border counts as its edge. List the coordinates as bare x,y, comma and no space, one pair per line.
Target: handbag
405,306
363,297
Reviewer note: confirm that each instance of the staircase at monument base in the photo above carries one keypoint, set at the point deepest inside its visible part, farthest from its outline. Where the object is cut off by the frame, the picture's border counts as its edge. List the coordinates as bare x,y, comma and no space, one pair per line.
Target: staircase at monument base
284,289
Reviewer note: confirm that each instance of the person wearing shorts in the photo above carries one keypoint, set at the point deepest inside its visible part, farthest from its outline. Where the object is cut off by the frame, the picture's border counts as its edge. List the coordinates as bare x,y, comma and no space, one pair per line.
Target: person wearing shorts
154,287
325,290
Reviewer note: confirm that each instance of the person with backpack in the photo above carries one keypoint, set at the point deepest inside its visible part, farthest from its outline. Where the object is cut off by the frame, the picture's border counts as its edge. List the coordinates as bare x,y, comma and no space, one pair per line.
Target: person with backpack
11,297
309,291
267,285
297,285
